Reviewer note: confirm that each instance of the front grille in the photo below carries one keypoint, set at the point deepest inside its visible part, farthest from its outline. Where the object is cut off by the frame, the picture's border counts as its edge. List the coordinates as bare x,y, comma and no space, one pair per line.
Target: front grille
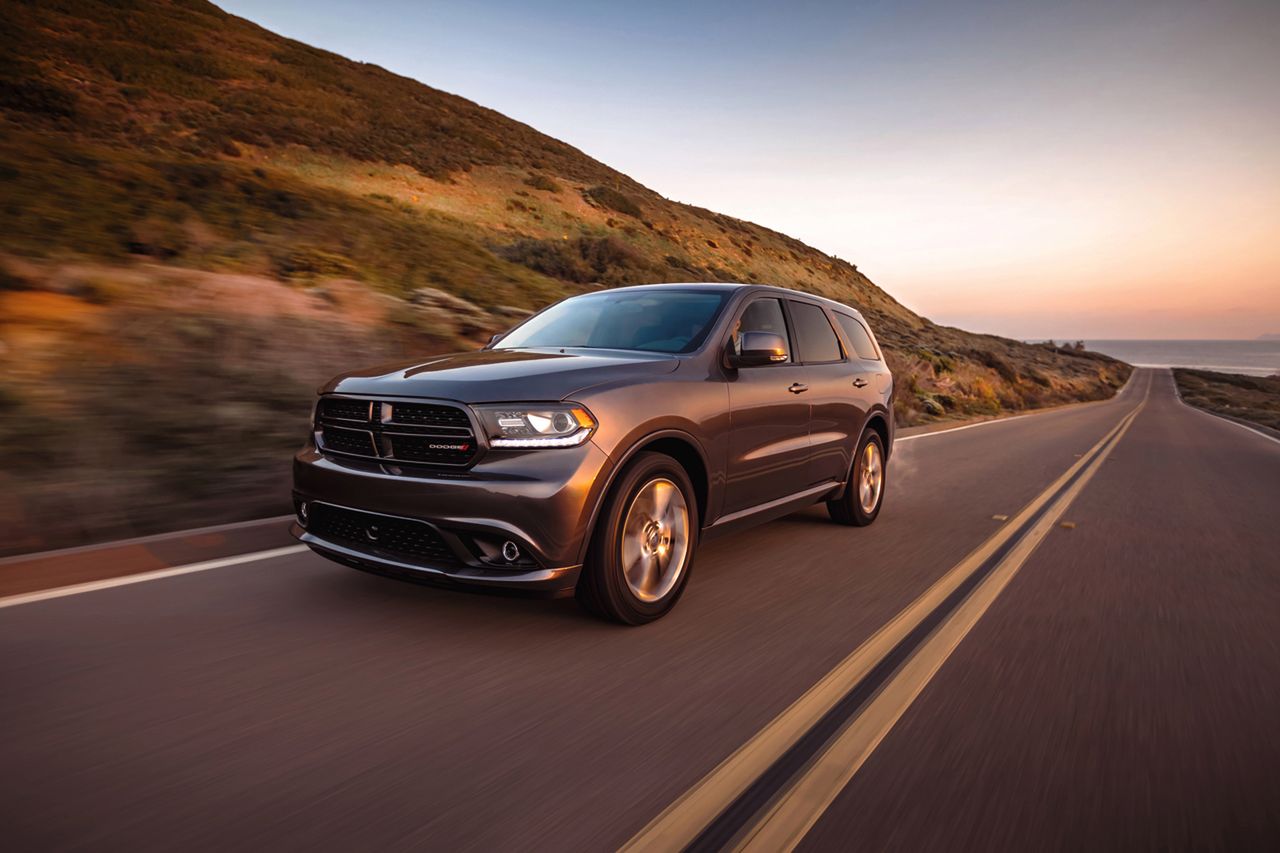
353,441
415,433
424,414
398,539
341,409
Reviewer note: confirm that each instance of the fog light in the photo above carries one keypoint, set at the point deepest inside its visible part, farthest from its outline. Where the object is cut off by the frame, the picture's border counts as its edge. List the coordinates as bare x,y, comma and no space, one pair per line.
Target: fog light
510,552
302,513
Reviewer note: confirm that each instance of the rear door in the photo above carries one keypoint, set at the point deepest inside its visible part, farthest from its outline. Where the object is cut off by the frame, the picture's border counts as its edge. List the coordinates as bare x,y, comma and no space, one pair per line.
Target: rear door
836,410
870,372
769,418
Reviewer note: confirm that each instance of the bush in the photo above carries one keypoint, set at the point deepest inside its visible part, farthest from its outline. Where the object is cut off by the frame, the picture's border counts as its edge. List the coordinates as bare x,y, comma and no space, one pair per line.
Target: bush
932,406
606,260
37,97
612,199
558,260
306,262
542,182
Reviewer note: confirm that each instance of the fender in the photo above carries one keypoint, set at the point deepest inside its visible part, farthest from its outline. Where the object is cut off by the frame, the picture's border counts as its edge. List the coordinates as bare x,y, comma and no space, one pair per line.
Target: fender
885,415
635,447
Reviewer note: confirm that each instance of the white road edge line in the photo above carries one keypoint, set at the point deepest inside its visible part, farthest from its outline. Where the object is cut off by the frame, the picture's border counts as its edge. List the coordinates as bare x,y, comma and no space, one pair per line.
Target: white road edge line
1005,420
1177,392
902,438
143,577
143,540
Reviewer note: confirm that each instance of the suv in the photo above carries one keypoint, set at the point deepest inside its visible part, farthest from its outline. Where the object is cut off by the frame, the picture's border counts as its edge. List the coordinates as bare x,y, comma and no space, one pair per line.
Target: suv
590,448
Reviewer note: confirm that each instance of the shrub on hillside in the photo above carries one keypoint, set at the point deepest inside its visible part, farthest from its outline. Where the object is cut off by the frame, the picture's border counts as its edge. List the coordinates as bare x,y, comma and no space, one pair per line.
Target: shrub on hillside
541,182
606,260
558,260
37,97
308,262
612,199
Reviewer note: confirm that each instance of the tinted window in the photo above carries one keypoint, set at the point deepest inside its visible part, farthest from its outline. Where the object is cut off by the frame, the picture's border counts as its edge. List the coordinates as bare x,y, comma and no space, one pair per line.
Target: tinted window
763,315
858,337
652,320
815,339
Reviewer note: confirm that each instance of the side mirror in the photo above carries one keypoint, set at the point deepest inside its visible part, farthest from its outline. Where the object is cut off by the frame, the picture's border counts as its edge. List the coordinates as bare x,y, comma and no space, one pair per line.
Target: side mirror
493,340
759,348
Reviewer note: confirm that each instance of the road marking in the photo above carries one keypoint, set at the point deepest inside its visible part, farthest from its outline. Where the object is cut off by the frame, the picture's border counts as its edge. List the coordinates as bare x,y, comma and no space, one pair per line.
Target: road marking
1224,420
901,438
1177,393
143,540
1067,407
809,796
784,819
143,577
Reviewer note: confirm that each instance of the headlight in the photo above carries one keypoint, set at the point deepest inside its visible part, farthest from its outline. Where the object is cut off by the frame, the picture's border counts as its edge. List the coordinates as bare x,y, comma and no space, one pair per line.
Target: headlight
536,425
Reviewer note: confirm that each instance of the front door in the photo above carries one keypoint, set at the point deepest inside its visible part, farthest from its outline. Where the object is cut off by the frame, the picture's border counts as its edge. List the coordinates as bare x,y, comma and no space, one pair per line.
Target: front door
769,412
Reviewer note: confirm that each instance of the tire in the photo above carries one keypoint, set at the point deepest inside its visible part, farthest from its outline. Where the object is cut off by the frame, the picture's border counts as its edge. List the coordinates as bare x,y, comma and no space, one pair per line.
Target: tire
643,546
864,493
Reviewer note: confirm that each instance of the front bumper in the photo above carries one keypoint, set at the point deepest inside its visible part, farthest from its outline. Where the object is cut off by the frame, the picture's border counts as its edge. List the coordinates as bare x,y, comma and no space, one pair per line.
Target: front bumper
541,500
553,582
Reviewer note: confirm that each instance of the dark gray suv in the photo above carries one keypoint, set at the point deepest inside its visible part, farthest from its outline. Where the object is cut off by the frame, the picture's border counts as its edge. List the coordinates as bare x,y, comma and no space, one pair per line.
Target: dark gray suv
593,446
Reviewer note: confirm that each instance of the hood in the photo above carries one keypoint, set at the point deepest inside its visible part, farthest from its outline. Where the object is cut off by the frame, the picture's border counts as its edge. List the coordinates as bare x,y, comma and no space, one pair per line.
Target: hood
495,376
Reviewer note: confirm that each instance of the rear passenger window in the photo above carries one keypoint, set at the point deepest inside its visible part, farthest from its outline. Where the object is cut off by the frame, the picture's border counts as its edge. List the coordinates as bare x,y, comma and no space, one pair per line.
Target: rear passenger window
815,339
859,338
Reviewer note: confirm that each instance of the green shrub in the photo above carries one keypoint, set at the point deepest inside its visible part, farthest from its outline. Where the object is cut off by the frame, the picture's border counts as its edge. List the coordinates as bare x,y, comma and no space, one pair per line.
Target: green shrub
614,200
541,182
606,260
931,406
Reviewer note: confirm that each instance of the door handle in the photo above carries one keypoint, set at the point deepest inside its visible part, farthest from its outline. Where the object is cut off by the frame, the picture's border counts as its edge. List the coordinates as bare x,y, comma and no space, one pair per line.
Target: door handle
798,388
859,383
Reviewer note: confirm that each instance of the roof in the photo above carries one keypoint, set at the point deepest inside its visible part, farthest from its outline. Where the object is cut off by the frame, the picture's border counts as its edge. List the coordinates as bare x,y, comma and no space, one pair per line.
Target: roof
739,285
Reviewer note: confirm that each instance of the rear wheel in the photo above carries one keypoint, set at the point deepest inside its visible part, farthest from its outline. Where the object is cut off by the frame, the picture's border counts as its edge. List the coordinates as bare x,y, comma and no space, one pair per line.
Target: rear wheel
864,493
640,555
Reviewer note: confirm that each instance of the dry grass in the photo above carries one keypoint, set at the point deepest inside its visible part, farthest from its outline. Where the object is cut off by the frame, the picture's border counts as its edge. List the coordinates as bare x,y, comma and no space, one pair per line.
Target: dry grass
1250,398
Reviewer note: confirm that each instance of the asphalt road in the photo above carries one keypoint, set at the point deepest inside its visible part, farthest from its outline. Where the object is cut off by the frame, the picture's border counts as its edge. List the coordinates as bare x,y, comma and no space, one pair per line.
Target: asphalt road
1122,691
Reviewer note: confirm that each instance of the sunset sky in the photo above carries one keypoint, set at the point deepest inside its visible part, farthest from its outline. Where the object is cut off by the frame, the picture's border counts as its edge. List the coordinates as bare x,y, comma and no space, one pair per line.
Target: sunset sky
1083,170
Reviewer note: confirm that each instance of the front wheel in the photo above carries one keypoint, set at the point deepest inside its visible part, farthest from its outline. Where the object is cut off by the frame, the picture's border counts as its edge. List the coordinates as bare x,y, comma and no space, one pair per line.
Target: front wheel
864,493
639,559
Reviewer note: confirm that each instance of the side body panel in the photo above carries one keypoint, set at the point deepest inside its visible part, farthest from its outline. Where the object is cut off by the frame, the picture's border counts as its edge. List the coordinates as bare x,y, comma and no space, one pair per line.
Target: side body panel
768,437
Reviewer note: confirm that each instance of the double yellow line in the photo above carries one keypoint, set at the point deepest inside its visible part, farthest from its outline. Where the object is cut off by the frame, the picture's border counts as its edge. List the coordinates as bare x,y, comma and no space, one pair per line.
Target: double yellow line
771,791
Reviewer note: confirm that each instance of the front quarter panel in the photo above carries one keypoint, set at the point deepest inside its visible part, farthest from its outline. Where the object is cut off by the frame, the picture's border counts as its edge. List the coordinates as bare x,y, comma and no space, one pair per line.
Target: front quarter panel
691,402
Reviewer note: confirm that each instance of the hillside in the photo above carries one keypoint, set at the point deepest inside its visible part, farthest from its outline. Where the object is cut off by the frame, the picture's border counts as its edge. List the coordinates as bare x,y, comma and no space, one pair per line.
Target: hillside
201,220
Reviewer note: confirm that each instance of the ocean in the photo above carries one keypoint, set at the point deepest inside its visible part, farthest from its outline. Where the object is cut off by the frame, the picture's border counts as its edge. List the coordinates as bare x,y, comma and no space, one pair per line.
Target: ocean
1256,358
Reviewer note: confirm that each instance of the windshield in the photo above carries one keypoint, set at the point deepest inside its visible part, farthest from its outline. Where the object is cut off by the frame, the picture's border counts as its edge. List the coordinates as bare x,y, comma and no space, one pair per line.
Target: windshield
650,320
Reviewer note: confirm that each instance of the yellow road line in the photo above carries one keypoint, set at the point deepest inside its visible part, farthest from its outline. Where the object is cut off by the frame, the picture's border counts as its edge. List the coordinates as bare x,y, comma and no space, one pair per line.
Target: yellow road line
681,822
798,809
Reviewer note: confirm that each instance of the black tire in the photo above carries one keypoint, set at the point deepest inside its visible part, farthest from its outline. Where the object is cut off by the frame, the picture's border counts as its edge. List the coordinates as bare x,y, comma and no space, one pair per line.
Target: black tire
848,509
603,588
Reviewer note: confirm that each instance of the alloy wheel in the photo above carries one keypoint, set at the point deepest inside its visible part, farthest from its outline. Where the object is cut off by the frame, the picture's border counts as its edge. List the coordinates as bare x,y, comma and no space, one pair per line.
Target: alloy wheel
655,540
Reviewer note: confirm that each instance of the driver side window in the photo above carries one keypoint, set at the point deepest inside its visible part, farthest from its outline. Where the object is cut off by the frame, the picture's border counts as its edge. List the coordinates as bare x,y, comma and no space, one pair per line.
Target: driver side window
762,315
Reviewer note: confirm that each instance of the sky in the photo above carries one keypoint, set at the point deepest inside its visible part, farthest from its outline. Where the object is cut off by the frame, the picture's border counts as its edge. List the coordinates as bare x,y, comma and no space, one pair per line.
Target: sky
1065,170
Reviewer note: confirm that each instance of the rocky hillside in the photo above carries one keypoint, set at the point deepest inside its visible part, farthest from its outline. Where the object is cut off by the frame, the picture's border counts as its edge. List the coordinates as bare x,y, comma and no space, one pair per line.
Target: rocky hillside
201,220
